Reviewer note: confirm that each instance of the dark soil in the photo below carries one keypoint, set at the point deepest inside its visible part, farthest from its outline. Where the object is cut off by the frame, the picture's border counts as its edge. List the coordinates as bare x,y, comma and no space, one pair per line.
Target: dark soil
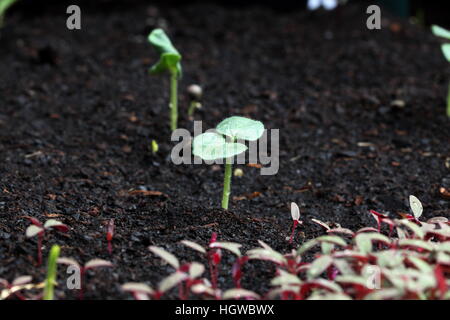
78,113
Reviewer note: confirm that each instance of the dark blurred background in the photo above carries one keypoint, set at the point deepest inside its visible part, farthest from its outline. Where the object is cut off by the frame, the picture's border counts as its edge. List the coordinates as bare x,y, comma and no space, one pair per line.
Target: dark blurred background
425,12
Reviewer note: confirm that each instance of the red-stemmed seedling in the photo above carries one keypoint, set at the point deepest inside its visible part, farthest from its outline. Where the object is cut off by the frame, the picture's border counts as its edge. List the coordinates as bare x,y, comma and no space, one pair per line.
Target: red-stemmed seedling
14,288
214,257
38,229
110,234
184,273
91,264
295,214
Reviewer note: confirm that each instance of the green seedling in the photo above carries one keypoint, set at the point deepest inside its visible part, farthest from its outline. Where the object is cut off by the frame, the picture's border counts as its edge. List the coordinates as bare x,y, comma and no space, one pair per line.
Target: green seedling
4,6
443,33
52,267
155,147
214,146
169,61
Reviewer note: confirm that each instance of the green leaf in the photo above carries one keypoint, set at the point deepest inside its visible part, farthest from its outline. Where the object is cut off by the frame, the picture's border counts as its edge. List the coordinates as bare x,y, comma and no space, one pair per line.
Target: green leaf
285,278
212,146
440,32
446,51
5,5
319,266
364,241
418,244
241,128
329,239
170,58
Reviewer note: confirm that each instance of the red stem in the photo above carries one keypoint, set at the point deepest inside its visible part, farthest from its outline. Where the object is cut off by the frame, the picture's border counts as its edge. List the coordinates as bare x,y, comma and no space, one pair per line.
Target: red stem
40,236
293,230
81,293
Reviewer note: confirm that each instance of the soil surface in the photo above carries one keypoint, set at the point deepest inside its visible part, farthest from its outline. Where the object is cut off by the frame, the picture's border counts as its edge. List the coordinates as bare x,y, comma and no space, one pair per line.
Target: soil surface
361,116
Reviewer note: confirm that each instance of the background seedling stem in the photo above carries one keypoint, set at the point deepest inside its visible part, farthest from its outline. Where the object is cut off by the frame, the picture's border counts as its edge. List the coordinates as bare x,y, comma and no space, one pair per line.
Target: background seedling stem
51,273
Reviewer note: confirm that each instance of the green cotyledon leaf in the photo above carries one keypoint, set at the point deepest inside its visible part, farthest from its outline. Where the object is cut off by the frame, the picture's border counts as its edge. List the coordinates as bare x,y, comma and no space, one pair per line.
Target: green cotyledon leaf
241,128
440,32
170,58
212,146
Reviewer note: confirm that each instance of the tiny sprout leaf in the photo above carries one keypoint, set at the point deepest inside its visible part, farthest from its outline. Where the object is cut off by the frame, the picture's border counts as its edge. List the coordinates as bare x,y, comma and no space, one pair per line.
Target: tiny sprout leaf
418,232
239,294
230,246
330,296
311,243
52,223
22,280
97,263
169,56
364,241
319,266
416,206
194,246
166,256
285,278
446,51
419,244
440,32
68,261
241,128
212,146
171,281
295,211
136,287
196,270
33,230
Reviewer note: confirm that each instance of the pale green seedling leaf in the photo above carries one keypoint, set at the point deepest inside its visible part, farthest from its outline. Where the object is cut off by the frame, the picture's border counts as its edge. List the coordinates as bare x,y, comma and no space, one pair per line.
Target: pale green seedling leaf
33,231
230,246
194,246
440,32
416,206
446,51
212,146
319,266
170,58
241,128
236,294
171,281
5,5
166,256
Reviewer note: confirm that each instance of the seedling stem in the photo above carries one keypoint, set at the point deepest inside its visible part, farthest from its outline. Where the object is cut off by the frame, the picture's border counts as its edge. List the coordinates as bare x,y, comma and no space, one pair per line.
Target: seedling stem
227,183
51,273
173,99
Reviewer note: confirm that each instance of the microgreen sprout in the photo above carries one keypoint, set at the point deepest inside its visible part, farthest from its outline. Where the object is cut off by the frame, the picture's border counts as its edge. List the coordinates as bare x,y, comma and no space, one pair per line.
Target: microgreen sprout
295,214
214,257
213,146
4,6
443,33
169,61
110,234
8,289
91,264
186,273
195,95
52,267
38,229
